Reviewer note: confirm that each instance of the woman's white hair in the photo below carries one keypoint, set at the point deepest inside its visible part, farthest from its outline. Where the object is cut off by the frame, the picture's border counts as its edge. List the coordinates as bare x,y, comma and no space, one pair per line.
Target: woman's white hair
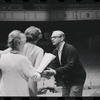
14,33
15,38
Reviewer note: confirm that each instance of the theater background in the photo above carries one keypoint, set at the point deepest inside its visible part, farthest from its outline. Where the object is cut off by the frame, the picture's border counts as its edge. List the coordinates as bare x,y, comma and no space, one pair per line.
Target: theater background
80,21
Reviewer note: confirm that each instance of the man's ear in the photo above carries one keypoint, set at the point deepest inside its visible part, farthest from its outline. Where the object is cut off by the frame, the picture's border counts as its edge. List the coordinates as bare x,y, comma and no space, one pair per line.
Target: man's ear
62,38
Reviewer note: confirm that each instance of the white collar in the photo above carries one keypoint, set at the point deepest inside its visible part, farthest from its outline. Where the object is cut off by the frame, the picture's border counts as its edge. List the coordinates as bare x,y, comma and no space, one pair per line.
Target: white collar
61,46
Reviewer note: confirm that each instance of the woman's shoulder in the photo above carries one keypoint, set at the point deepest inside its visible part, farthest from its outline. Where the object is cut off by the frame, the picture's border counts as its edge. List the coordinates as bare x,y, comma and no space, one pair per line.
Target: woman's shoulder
23,59
34,47
5,54
9,54
39,48
21,56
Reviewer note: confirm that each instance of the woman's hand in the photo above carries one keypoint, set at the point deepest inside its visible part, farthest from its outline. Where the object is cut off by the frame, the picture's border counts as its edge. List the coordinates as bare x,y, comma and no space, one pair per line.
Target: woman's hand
36,76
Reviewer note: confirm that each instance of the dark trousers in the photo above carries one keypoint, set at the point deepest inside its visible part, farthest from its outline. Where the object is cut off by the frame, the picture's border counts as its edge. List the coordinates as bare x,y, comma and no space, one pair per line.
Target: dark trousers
75,90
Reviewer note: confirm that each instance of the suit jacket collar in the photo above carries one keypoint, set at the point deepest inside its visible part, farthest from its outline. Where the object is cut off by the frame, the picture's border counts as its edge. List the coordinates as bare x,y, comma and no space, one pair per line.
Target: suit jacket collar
61,46
62,55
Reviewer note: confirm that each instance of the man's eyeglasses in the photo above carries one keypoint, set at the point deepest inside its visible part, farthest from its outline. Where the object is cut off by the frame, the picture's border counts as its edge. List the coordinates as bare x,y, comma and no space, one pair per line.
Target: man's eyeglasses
54,37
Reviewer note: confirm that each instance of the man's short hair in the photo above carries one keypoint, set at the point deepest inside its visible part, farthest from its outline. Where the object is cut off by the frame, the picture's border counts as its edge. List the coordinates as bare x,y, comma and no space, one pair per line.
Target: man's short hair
60,32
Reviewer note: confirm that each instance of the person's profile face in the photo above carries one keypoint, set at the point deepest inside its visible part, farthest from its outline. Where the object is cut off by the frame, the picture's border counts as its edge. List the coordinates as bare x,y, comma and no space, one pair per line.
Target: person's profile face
55,38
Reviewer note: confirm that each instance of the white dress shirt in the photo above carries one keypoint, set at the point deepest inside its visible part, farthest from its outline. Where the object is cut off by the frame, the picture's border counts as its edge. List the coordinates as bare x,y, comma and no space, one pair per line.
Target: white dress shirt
60,51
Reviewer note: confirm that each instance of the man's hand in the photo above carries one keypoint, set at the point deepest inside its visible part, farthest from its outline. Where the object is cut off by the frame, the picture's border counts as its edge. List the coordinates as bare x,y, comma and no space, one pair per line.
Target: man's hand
48,73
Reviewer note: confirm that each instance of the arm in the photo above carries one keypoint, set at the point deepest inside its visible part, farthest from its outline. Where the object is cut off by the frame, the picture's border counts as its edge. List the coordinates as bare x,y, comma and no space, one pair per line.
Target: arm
28,70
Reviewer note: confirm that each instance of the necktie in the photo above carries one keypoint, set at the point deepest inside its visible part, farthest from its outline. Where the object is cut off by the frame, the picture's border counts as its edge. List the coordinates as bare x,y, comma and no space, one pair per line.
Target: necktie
59,56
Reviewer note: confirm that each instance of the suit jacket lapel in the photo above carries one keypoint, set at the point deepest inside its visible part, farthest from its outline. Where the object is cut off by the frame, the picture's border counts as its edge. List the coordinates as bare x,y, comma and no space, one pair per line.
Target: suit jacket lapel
56,52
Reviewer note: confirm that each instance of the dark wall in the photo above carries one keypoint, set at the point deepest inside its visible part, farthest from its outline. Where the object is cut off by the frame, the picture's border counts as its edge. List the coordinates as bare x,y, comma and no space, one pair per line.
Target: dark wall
77,32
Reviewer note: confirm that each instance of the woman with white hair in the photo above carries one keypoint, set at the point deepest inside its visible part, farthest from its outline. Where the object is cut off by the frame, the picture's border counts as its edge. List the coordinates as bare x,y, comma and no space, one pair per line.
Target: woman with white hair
33,52
16,68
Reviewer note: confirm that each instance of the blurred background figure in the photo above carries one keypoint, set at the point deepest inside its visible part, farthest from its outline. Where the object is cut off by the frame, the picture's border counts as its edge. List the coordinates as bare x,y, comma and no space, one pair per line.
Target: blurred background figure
16,68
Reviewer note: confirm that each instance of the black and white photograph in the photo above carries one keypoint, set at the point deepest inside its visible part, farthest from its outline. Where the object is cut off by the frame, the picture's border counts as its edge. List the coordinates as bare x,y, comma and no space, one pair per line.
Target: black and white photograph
49,48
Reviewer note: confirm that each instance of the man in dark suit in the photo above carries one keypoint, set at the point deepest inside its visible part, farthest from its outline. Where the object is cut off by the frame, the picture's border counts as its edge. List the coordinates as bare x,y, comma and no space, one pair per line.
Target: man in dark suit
66,67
